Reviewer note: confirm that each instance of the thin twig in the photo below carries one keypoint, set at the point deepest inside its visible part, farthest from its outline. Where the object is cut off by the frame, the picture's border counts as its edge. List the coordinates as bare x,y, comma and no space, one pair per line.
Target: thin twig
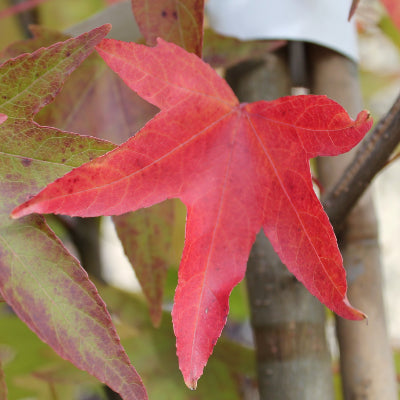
391,160
370,158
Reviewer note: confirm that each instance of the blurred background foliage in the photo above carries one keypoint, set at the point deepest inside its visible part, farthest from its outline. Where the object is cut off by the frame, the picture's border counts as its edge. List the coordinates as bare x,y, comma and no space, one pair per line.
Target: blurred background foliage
34,371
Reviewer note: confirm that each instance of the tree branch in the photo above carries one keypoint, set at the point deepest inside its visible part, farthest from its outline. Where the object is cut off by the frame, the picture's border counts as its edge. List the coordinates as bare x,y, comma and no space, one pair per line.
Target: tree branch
370,158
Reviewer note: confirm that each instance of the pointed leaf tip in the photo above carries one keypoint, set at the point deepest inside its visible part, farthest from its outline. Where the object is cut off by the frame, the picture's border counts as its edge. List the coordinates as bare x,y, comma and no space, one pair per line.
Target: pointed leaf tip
357,314
20,211
191,384
107,27
364,116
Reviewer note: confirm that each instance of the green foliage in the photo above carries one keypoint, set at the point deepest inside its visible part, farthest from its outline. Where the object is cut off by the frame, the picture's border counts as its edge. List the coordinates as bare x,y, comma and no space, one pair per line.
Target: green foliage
151,350
31,367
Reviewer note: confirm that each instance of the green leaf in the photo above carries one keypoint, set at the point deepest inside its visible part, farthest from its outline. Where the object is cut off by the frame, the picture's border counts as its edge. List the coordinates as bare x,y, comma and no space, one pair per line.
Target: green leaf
224,51
31,367
146,236
39,279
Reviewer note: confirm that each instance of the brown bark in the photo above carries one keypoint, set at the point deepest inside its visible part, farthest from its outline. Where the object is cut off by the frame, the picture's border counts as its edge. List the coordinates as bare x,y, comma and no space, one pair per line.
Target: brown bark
293,360
365,355
371,156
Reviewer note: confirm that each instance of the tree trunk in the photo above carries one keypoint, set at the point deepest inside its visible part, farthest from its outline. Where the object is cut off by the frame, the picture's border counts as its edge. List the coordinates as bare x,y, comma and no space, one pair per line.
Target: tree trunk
365,355
293,360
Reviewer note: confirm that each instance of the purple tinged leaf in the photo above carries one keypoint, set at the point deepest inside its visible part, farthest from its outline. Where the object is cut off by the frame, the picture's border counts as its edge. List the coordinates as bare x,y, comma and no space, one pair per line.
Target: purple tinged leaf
39,279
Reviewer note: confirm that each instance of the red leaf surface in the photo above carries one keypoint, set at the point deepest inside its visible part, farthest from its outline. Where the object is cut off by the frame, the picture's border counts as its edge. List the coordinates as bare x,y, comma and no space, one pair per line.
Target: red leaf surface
94,89
237,168
393,8
39,278
177,21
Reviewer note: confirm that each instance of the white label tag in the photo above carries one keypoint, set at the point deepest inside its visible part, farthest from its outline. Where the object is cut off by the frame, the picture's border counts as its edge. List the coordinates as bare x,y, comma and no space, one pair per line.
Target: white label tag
322,22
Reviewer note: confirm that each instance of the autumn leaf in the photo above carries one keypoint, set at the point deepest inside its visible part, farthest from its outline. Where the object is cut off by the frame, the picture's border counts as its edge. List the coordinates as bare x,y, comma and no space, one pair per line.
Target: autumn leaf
39,278
223,51
42,37
94,89
236,167
146,236
177,21
231,364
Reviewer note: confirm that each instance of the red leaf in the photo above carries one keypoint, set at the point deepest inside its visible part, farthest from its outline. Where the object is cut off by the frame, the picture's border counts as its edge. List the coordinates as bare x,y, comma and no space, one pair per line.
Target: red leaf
393,8
177,21
237,167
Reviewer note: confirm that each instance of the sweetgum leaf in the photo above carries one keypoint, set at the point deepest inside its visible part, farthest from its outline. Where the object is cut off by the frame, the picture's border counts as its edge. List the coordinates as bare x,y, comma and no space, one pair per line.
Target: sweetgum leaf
155,348
177,21
30,82
42,37
94,89
224,51
236,167
152,240
30,365
147,240
39,279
